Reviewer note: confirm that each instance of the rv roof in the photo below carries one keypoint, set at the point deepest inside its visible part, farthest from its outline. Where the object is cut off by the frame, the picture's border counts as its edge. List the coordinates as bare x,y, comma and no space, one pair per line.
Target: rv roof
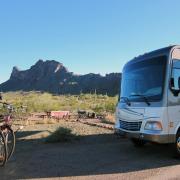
155,53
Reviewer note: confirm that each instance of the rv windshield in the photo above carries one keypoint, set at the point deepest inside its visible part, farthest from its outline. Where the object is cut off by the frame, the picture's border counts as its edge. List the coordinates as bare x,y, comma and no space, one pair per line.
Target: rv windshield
144,78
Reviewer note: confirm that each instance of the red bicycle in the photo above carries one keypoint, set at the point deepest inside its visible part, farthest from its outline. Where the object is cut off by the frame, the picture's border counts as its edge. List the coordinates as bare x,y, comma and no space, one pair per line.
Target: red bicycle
7,135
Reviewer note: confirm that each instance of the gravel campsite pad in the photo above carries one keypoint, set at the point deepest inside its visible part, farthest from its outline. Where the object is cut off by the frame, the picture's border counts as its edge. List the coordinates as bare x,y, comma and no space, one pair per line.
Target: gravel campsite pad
97,154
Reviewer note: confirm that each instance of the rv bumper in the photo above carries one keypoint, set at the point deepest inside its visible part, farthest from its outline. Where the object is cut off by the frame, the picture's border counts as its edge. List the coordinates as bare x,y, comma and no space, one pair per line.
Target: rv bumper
157,138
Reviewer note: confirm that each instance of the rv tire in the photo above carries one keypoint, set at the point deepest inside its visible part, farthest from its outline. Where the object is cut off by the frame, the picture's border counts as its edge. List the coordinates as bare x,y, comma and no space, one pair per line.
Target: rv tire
177,145
138,142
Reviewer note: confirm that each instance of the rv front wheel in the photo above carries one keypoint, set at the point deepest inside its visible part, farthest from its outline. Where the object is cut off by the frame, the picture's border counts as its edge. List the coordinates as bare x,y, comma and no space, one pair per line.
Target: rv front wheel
138,142
177,144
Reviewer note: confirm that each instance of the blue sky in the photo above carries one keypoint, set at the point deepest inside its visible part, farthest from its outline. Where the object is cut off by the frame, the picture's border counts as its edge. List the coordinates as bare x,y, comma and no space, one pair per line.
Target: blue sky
85,35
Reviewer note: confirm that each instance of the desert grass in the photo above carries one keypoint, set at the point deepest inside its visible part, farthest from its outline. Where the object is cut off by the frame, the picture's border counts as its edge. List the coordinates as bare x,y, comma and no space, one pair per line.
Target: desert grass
42,102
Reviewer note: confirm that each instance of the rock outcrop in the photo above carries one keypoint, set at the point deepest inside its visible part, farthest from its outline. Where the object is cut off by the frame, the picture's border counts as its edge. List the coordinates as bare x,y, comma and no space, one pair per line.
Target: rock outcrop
51,76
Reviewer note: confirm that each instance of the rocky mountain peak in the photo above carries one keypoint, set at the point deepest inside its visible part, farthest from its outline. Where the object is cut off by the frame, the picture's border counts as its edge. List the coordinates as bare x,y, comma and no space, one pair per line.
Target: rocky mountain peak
52,76
50,66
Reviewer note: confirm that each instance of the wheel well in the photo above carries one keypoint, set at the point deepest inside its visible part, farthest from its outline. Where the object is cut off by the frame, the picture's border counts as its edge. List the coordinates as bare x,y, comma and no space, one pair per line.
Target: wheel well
178,131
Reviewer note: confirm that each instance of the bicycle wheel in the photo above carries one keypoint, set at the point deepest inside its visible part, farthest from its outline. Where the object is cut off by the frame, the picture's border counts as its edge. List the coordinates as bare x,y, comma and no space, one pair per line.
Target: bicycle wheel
3,150
10,141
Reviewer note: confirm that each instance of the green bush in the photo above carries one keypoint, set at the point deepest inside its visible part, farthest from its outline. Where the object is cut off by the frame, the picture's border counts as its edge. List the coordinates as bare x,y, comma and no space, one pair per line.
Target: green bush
61,135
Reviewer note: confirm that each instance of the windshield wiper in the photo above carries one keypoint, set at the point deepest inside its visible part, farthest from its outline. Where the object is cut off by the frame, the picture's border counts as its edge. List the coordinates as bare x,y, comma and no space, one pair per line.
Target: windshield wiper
144,97
126,100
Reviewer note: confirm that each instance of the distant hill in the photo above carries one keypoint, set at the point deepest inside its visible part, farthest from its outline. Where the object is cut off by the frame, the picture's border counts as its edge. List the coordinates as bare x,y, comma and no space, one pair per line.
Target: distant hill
51,76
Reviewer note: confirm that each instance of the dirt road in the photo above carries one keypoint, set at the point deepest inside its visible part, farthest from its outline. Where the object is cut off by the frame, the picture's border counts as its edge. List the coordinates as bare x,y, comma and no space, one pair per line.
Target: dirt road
98,155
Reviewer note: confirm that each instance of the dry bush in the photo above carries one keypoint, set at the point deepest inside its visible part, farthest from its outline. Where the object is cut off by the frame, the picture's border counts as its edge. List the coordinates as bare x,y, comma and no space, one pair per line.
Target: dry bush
110,117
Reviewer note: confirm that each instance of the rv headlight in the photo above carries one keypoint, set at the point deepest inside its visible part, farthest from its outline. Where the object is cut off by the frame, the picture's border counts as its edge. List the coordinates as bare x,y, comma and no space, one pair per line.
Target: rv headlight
153,125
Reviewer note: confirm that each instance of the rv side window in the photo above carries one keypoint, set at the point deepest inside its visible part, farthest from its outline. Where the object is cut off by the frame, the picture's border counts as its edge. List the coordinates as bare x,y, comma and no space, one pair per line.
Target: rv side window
176,74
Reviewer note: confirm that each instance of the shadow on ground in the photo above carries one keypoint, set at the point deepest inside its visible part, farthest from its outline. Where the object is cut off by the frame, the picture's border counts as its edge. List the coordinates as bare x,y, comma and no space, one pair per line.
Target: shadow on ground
91,155
24,134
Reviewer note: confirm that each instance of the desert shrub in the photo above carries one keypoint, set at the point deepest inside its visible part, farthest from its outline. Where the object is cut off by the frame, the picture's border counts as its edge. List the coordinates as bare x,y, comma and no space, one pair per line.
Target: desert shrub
110,107
61,135
98,108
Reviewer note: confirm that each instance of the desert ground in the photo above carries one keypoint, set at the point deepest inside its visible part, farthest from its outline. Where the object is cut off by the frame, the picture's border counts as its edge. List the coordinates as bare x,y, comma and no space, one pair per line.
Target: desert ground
96,154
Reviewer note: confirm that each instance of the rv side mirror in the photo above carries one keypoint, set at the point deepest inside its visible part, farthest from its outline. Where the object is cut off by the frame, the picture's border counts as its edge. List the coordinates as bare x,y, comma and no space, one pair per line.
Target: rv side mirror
175,90
172,83
118,98
179,83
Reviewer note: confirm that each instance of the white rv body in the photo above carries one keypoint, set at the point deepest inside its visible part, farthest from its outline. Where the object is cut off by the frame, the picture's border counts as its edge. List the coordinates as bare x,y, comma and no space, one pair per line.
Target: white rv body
149,104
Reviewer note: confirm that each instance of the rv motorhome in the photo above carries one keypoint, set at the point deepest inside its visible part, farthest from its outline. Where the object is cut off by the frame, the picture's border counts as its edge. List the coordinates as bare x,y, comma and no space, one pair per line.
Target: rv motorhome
148,109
